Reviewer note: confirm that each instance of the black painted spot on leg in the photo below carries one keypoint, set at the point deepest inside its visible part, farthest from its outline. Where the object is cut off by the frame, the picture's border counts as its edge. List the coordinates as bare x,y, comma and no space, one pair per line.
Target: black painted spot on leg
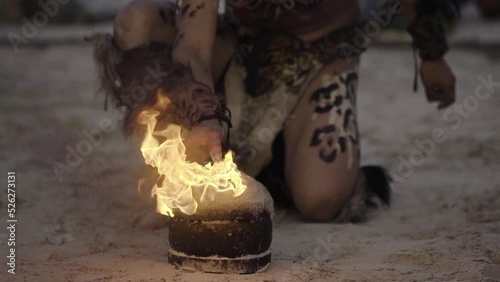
316,139
163,16
323,98
351,82
338,101
328,157
325,138
339,112
347,118
185,9
342,144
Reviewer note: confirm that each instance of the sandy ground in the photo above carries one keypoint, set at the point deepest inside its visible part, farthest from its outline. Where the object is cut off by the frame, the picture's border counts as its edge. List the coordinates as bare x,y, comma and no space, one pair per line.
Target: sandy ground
444,224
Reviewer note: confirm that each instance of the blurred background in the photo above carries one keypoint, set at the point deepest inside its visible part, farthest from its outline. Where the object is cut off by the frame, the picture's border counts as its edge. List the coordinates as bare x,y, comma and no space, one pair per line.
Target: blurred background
76,11
91,11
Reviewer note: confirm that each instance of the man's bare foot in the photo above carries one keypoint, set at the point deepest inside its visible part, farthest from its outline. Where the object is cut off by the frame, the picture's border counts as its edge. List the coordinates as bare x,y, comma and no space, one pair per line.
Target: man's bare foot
147,218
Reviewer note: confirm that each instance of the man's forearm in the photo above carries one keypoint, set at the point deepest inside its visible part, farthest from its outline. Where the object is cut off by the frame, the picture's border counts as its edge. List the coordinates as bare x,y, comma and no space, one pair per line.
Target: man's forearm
196,21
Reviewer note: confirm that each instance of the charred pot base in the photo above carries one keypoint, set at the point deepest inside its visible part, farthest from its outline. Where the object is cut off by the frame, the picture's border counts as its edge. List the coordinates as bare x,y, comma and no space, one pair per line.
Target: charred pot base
222,265
238,244
227,235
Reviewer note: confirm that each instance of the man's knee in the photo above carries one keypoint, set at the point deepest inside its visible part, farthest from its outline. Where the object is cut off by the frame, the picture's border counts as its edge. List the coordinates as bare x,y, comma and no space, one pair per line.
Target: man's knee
143,21
317,205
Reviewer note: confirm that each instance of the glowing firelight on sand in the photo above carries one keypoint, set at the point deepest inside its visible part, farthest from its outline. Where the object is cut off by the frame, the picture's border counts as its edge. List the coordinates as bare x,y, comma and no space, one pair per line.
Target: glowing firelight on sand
179,179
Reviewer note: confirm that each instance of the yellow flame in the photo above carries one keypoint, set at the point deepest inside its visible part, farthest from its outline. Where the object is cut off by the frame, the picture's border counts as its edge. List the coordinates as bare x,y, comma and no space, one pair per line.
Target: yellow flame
180,178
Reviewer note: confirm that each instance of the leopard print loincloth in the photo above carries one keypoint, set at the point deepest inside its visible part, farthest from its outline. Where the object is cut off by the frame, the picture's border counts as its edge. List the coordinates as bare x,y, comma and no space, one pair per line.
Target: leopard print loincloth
264,82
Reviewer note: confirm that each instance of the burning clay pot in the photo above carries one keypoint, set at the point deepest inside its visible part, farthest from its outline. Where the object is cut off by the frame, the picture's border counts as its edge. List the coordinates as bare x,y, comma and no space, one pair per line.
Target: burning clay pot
227,235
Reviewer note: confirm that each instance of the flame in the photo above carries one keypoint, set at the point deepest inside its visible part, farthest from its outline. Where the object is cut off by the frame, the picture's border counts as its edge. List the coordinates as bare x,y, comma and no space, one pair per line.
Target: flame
179,179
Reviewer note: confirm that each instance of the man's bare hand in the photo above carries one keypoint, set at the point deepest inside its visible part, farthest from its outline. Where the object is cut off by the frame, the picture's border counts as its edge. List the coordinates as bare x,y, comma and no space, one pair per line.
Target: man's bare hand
204,141
439,82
